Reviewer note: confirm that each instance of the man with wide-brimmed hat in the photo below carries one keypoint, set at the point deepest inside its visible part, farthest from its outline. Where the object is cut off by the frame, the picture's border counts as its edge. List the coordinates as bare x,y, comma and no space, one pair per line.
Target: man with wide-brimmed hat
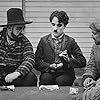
16,52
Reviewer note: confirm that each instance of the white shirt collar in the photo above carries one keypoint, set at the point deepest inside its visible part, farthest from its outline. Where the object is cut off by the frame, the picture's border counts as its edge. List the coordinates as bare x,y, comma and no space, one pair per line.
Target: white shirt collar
9,41
58,37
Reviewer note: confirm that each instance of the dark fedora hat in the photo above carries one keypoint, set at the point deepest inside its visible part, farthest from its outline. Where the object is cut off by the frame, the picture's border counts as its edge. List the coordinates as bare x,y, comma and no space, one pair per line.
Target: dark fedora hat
15,17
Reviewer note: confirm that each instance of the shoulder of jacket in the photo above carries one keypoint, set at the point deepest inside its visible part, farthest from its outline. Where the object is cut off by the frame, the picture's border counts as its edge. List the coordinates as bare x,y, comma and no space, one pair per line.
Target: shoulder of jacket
45,37
69,38
24,38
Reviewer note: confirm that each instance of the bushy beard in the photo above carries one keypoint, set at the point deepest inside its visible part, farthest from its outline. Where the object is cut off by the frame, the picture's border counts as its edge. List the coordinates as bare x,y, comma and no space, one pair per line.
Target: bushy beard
14,37
96,42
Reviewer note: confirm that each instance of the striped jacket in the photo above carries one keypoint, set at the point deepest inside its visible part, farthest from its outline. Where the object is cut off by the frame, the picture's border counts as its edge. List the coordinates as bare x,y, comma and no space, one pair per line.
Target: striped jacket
16,57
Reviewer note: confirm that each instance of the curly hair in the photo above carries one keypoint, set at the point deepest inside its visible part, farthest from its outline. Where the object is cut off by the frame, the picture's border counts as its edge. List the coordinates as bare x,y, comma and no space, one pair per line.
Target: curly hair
61,15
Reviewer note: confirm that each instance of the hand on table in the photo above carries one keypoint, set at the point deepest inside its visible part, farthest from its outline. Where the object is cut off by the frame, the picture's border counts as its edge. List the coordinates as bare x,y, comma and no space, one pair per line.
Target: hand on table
10,77
88,82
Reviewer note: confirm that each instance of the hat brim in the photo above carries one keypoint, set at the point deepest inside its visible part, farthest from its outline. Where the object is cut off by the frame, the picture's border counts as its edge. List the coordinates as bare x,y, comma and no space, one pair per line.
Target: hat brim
17,23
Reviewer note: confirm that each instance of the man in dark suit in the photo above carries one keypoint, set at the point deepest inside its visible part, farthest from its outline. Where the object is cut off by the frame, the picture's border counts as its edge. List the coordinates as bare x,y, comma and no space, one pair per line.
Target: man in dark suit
58,54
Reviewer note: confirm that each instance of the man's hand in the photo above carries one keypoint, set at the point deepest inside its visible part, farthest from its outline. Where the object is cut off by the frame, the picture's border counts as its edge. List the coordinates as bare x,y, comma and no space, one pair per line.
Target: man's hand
59,65
64,55
88,82
53,66
56,66
10,77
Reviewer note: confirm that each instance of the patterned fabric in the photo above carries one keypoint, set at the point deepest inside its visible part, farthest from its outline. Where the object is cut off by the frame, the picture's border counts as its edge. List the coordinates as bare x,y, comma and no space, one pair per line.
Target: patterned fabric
92,93
93,66
16,57
57,47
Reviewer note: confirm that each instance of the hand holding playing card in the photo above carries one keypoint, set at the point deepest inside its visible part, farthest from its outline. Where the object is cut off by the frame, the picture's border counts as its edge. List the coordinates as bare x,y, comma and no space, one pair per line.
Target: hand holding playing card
64,54
56,66
60,65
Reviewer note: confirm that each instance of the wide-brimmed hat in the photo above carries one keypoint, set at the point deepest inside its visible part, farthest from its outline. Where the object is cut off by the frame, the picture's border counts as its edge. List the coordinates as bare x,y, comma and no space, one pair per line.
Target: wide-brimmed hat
95,25
15,17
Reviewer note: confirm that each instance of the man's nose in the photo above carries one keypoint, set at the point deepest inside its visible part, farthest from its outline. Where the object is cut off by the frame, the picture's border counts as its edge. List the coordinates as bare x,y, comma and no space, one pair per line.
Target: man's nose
55,27
92,36
22,31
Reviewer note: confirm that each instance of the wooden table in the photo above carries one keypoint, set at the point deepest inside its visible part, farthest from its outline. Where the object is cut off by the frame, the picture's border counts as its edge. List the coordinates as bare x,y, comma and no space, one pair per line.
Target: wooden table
33,93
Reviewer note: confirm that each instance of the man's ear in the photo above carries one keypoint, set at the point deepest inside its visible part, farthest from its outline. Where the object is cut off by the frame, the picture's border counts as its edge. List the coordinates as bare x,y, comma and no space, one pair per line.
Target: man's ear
9,29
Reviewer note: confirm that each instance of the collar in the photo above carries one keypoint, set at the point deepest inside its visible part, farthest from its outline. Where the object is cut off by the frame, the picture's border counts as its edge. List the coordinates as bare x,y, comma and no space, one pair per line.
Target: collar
53,37
9,41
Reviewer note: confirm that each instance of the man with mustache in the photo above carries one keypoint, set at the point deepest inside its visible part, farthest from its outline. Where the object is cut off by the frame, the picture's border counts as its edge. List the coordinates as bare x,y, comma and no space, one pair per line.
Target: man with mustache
58,54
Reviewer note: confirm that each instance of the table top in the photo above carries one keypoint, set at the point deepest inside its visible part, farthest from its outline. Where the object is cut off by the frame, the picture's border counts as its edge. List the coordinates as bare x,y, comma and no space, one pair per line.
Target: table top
33,93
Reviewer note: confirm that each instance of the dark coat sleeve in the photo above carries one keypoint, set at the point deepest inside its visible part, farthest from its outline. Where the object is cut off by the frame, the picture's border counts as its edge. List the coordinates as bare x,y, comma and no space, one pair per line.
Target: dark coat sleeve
41,65
76,58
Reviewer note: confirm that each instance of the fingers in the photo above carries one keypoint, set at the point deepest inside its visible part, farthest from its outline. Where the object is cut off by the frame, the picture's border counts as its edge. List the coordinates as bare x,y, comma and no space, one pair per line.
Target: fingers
59,65
55,66
10,77
64,53
88,82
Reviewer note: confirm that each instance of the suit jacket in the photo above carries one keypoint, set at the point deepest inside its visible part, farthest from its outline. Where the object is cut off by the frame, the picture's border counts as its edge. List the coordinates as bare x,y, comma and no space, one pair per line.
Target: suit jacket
93,66
45,55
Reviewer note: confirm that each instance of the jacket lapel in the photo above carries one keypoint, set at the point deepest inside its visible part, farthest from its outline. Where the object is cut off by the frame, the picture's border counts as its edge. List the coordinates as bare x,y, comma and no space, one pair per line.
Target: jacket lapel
64,42
50,42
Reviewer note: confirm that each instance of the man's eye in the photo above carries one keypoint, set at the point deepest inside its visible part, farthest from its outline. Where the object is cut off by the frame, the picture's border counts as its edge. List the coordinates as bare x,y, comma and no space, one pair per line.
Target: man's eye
19,28
94,33
59,25
53,24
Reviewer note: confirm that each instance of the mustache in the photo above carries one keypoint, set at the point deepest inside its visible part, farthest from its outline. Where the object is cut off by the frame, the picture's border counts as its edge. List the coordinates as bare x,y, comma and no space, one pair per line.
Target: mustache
55,30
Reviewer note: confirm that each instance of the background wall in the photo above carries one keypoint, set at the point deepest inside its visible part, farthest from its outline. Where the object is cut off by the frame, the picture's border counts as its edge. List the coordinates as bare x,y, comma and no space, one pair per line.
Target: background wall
4,6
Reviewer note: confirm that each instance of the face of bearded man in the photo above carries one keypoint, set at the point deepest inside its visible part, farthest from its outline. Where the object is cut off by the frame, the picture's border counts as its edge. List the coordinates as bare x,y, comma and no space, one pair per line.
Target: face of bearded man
14,32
